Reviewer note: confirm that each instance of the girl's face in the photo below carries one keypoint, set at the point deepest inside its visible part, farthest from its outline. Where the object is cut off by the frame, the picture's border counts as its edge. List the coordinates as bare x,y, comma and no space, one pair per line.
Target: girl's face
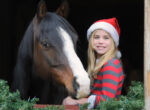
102,42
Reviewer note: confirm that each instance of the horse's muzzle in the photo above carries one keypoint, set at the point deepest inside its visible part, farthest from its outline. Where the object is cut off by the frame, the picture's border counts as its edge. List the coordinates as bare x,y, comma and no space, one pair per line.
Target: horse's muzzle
81,89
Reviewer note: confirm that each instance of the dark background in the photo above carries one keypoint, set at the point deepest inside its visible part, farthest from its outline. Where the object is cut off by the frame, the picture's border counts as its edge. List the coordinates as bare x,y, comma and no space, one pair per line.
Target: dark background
15,16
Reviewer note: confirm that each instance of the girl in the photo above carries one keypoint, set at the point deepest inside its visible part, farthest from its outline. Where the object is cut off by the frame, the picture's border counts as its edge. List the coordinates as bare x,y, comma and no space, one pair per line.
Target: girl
104,66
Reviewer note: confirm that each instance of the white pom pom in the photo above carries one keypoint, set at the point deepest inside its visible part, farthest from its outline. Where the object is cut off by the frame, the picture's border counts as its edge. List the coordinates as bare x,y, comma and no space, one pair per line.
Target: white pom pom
119,54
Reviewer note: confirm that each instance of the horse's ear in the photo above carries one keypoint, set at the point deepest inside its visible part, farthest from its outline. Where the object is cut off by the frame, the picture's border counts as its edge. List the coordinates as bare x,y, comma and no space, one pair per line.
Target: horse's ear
41,9
63,9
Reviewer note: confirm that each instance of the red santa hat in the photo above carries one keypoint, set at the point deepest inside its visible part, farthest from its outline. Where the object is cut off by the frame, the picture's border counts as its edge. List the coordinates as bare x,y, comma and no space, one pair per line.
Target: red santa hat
109,25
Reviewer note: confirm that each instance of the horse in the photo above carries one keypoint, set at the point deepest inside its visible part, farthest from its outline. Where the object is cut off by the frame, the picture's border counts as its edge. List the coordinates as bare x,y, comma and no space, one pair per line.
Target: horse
47,65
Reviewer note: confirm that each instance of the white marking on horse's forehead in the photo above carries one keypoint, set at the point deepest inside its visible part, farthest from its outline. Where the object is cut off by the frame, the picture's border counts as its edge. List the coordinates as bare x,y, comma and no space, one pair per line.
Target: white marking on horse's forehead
69,51
75,64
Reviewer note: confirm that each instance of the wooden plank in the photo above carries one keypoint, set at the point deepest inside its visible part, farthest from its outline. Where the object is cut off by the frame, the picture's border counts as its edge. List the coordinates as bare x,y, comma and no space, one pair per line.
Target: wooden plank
147,54
66,107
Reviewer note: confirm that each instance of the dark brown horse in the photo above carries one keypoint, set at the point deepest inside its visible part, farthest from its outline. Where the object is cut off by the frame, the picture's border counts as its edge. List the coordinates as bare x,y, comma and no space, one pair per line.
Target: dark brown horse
47,64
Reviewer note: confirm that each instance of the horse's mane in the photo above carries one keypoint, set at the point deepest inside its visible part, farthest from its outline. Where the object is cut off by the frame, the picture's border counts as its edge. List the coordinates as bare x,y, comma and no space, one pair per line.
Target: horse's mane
24,58
25,48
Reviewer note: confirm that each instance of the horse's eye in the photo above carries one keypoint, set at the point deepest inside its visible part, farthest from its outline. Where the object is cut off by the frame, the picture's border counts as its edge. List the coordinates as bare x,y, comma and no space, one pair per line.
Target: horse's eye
58,66
45,44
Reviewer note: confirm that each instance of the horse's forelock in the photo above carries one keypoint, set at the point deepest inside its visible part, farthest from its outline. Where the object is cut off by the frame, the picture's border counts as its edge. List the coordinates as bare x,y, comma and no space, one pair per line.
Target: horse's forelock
47,30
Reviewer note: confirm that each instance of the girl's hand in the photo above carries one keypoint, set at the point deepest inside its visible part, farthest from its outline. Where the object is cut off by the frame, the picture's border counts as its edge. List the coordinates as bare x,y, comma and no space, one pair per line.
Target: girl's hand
69,101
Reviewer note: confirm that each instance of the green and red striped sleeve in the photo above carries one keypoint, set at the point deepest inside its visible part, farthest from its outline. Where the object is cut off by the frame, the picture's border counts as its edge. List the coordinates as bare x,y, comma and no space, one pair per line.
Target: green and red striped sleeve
109,81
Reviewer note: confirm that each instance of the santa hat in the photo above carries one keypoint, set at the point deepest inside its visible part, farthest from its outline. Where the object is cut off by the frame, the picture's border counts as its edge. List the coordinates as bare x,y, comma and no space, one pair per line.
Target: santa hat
109,25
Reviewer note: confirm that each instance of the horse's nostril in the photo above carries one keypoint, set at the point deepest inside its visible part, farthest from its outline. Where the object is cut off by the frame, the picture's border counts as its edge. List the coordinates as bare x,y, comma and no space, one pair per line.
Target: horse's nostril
75,85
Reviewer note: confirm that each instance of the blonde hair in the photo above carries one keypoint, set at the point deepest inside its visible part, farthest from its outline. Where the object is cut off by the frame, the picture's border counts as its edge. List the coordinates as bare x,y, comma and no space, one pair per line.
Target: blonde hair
94,67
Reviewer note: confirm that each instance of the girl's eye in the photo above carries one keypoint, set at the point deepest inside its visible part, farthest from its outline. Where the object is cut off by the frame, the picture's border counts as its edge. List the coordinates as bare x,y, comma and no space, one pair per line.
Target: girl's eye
96,37
106,37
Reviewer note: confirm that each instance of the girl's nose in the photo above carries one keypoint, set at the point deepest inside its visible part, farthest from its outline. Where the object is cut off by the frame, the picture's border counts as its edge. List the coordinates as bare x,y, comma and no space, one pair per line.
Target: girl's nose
100,40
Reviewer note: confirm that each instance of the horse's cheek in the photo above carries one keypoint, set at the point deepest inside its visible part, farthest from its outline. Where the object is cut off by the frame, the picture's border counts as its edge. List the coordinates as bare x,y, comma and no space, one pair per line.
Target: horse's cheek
40,64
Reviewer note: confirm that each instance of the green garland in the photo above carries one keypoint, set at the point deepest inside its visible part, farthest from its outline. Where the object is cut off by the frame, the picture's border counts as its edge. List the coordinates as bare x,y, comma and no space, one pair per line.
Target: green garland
12,101
134,100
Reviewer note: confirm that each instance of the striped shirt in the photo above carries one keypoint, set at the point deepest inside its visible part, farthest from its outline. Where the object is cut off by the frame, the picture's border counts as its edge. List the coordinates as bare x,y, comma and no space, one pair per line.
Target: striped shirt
108,83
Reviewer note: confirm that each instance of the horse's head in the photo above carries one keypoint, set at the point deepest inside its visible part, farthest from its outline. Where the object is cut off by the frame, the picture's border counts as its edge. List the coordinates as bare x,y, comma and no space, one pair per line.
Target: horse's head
54,53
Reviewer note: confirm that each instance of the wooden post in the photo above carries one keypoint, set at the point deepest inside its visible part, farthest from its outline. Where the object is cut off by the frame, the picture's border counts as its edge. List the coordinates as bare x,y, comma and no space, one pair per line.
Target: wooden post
147,55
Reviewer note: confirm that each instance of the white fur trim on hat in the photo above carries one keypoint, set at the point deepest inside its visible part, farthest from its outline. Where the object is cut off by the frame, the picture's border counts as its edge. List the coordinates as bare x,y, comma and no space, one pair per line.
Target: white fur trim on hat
107,27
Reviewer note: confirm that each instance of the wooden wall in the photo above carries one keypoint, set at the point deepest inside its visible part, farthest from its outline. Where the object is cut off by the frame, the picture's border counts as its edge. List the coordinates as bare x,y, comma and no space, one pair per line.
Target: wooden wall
147,55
